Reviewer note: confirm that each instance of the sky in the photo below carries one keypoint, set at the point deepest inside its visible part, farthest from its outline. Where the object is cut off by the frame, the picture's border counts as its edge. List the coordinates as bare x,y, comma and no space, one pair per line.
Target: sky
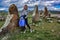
50,4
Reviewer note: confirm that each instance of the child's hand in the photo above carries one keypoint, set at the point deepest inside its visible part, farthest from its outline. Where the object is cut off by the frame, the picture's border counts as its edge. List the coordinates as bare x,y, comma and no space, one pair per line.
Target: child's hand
26,16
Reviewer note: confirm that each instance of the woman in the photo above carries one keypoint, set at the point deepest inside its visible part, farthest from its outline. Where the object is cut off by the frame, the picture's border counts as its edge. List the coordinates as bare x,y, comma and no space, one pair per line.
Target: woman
25,16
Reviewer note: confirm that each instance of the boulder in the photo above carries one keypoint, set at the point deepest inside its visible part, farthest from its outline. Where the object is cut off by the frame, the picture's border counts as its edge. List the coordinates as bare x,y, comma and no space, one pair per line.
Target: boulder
35,15
11,22
45,12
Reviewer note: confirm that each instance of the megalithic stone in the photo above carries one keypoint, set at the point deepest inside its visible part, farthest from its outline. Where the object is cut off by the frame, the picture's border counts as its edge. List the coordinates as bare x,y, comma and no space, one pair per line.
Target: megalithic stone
45,12
41,13
11,22
35,14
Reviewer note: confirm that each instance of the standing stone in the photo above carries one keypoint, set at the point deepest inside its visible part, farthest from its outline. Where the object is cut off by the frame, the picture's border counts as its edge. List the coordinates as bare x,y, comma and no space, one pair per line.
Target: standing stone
35,14
41,13
45,12
11,22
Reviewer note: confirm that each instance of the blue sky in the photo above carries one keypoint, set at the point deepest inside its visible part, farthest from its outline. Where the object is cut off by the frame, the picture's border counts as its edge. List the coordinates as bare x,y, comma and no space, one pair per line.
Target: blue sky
51,4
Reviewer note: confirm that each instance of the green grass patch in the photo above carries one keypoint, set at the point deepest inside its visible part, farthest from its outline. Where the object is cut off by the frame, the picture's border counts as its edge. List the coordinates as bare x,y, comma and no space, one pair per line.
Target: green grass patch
44,31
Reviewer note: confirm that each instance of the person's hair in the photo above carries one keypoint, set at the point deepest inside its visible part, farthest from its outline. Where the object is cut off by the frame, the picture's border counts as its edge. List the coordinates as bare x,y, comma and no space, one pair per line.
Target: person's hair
13,9
25,7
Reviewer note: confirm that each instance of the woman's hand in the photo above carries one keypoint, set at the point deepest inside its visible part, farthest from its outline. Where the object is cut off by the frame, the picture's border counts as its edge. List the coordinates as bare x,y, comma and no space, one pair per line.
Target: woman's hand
26,17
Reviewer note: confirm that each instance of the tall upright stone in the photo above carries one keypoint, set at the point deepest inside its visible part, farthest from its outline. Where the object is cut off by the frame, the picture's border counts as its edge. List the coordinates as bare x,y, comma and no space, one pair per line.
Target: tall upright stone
41,13
35,14
11,22
45,12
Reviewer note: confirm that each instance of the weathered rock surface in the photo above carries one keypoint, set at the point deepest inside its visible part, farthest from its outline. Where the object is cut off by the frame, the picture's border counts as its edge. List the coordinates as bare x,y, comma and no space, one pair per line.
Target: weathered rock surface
11,22
35,15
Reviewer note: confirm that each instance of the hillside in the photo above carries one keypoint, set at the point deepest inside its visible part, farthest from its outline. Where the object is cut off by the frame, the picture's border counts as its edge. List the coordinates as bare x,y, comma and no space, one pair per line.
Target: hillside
43,31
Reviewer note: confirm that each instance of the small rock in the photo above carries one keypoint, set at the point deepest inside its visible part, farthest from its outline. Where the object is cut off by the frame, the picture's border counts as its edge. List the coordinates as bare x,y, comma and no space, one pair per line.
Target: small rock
52,30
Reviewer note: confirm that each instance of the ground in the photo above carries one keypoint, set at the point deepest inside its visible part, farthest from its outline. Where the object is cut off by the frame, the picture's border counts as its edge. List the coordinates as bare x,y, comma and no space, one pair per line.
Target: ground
43,31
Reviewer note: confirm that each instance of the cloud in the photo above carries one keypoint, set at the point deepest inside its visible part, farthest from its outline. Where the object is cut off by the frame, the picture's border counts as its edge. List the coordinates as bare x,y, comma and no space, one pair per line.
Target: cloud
47,3
2,8
6,1
33,3
4,4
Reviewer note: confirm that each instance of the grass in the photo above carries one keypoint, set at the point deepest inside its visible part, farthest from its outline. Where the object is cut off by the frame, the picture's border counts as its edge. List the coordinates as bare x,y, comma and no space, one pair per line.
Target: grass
1,23
44,31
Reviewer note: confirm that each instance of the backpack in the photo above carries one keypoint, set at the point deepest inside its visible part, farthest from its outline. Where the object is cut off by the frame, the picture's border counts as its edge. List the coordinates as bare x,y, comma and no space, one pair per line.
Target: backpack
22,22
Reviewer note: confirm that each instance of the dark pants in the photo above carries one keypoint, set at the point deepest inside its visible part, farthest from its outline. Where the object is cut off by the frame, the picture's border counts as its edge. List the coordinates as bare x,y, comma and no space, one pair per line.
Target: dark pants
23,28
26,21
